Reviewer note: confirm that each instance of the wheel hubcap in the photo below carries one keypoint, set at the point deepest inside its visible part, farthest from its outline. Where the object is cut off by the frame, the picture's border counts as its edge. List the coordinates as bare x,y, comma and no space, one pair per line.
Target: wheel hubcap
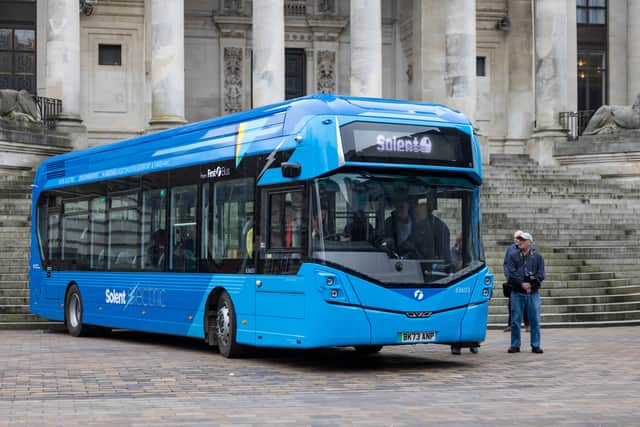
224,325
74,310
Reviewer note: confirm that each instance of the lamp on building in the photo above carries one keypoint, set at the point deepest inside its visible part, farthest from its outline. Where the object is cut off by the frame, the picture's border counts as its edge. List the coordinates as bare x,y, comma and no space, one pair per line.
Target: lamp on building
503,24
86,7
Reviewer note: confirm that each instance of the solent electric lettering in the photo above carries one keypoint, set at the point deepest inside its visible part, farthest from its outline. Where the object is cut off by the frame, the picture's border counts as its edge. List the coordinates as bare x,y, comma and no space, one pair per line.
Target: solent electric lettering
137,296
403,145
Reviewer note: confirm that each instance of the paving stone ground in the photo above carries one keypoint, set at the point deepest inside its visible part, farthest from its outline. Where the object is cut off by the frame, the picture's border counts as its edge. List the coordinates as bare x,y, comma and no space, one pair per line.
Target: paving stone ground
587,376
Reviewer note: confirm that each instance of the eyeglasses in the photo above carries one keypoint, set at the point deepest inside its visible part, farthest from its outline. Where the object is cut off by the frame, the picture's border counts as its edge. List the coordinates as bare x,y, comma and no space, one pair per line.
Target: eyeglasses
520,239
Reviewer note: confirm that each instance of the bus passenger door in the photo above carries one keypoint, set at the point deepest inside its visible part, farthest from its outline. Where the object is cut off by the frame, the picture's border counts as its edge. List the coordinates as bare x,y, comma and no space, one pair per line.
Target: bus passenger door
280,296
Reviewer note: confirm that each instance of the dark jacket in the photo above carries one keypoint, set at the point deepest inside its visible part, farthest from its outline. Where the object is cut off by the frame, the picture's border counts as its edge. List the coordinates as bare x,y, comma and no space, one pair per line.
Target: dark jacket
524,268
505,268
431,238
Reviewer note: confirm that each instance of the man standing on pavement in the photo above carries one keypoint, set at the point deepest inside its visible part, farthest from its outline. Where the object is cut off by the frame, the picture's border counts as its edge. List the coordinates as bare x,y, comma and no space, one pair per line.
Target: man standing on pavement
525,271
512,248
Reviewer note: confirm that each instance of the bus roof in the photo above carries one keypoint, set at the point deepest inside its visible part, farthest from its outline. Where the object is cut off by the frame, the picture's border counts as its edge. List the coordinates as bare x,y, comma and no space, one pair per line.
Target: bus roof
269,121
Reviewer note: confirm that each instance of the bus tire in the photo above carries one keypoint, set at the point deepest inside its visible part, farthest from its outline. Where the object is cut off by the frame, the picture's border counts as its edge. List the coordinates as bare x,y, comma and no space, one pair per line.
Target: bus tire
73,313
368,349
226,327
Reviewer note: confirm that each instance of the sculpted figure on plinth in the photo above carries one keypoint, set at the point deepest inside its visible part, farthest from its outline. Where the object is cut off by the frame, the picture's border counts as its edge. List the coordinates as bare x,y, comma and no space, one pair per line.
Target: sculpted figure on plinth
18,106
614,118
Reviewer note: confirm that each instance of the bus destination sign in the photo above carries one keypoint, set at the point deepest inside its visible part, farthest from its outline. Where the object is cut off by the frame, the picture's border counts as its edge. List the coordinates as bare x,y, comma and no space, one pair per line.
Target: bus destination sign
394,143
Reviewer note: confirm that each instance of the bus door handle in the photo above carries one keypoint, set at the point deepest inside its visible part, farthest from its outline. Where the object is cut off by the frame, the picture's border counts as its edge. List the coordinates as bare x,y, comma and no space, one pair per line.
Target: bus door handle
49,271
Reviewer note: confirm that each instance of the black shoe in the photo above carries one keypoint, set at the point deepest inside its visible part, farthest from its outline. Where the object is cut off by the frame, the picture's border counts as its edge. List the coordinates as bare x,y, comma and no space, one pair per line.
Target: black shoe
536,350
455,350
513,350
507,329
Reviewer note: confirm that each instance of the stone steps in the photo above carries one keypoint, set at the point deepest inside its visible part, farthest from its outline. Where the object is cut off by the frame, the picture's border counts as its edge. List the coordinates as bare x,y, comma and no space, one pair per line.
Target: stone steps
14,284
546,301
14,292
561,318
611,307
25,316
587,229
14,301
15,235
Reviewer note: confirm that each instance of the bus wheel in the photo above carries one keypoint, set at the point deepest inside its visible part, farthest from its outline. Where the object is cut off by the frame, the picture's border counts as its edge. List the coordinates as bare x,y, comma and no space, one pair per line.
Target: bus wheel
73,313
226,327
368,349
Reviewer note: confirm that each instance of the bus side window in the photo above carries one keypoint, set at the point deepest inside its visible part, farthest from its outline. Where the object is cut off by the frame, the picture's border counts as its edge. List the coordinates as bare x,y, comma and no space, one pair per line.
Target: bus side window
183,228
286,227
232,248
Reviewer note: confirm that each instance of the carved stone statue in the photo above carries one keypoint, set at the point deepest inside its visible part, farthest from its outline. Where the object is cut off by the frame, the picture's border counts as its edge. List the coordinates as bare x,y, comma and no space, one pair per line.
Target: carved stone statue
614,118
18,106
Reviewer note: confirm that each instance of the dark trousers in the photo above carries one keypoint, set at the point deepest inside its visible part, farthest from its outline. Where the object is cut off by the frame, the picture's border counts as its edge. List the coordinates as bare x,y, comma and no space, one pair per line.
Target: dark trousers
525,316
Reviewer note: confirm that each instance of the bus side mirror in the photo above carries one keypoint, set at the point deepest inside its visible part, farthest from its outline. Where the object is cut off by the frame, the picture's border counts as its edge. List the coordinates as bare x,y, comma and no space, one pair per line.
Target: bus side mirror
290,169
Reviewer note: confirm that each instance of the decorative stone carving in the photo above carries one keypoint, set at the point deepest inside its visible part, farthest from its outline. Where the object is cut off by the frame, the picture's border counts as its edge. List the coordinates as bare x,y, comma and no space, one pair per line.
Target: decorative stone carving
614,118
18,106
326,7
326,71
232,80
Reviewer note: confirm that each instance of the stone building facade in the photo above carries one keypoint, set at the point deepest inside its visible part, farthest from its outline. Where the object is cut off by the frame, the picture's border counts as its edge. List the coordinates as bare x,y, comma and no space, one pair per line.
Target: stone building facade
123,68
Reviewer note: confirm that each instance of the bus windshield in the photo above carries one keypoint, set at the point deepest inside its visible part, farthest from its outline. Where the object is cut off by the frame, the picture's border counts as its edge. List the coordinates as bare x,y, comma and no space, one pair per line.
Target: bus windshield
402,231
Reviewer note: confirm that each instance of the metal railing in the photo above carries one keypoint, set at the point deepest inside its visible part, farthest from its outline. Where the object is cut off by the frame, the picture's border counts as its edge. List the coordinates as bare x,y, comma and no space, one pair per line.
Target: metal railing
575,122
50,109
295,8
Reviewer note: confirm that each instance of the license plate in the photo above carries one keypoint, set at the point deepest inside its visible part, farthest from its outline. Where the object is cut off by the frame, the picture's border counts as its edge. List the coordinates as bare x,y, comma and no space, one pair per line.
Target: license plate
425,336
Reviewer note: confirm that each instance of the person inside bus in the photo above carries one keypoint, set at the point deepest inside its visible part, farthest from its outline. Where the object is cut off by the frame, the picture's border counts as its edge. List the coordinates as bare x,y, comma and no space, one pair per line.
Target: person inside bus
293,228
157,249
457,259
431,236
358,229
398,227
319,225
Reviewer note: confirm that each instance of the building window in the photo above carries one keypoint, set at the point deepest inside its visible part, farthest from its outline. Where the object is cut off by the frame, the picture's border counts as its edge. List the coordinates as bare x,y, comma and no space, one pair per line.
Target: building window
591,12
109,54
18,59
18,45
592,54
295,73
481,70
592,80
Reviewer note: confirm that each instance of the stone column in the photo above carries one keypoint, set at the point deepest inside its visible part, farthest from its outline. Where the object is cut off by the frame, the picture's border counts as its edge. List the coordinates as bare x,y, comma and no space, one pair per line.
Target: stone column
366,48
268,52
551,62
551,77
460,42
572,57
167,64
63,62
428,52
520,93
633,50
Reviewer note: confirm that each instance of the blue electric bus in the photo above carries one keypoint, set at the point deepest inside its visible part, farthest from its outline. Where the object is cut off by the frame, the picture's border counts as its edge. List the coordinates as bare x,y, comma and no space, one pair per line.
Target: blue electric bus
321,221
